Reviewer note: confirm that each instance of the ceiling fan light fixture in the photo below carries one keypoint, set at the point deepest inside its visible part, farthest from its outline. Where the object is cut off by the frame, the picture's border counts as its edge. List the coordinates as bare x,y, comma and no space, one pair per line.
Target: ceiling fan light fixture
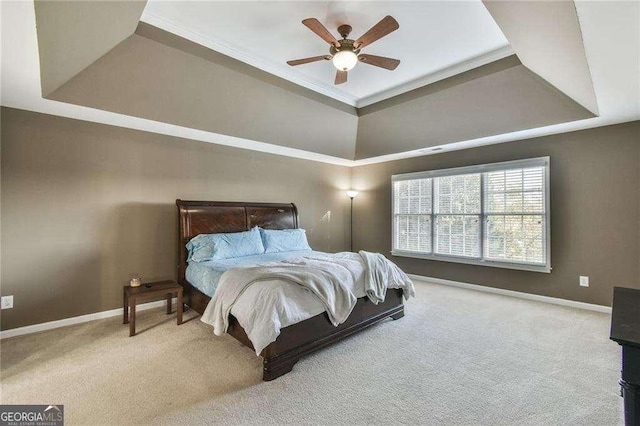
345,60
345,53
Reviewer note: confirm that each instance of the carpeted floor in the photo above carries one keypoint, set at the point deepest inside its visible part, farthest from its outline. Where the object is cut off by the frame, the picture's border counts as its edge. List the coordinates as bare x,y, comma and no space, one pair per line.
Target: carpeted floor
457,357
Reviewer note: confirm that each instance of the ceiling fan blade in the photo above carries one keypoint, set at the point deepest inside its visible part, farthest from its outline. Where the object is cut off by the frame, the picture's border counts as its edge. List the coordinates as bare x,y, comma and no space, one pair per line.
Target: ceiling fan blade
385,26
341,77
314,25
307,60
380,61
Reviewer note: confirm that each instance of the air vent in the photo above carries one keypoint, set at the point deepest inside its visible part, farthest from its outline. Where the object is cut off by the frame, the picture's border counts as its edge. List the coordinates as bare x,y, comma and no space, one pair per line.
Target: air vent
432,149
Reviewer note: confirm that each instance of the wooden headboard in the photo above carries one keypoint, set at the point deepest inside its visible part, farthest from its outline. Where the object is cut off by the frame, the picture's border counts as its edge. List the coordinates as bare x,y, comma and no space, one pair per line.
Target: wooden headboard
209,217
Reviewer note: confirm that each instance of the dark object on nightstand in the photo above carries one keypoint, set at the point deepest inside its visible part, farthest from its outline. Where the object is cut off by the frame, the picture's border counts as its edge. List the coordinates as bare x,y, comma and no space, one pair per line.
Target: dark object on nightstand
625,329
131,295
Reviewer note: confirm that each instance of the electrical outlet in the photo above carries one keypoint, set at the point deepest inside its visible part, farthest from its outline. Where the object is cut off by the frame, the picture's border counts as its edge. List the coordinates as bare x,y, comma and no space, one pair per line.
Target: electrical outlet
584,281
7,302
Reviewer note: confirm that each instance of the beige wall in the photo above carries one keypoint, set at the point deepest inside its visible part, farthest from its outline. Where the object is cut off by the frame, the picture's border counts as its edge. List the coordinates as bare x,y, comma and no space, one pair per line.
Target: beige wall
595,212
85,206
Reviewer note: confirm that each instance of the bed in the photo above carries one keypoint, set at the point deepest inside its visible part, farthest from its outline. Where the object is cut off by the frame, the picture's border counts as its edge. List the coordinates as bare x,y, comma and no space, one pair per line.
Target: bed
294,341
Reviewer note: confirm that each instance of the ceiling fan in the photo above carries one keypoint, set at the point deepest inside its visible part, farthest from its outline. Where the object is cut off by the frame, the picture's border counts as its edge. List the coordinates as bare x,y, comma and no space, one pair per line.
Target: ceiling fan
345,53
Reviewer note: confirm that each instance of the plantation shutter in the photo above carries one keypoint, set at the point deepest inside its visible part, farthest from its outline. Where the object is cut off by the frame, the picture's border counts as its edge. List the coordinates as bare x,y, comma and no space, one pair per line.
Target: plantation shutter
490,214
515,211
413,206
458,215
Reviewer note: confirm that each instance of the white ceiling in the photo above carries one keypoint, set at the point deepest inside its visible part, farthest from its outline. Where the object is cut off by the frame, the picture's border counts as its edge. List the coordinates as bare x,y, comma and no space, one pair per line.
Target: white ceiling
610,29
434,36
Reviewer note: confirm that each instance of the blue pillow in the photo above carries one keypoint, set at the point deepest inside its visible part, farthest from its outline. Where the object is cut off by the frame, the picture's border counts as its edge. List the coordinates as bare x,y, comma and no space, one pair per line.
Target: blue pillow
284,240
205,247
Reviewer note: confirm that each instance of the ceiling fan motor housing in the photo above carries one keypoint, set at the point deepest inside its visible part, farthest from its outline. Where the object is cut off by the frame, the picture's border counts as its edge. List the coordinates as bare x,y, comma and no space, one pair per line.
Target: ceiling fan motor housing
345,44
344,30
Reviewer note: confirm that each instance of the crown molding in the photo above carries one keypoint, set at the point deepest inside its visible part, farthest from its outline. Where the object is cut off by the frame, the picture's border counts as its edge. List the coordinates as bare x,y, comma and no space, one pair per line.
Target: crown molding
45,106
554,129
313,84
243,56
93,115
440,74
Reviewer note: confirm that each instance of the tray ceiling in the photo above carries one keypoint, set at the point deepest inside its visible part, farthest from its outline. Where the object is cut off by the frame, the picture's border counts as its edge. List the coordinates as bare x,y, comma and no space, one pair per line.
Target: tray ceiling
608,30
433,37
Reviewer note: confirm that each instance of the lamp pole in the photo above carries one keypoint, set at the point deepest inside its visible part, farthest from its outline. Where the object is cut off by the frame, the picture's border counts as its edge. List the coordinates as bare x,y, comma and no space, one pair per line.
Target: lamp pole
351,194
351,226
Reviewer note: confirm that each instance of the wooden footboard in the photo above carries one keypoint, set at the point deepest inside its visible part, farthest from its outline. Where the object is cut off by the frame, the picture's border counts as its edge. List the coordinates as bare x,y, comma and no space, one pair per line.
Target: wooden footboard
307,336
298,340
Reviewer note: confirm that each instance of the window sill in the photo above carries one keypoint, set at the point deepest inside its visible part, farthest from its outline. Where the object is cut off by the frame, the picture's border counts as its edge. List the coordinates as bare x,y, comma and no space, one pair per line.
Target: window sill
453,259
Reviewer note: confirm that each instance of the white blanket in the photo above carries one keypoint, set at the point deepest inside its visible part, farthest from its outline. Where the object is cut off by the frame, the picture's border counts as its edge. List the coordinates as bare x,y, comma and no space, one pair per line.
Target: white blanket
325,283
381,274
264,306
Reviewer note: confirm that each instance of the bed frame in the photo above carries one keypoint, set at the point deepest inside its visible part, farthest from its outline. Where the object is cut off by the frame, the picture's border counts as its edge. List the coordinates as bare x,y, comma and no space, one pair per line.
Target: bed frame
294,341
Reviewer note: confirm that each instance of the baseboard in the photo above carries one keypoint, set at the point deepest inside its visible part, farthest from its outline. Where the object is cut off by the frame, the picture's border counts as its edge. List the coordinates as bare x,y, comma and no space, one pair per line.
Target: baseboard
144,306
75,320
518,294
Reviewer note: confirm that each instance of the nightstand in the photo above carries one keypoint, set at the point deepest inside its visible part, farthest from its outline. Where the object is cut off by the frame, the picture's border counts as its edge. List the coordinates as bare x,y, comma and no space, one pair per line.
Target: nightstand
131,295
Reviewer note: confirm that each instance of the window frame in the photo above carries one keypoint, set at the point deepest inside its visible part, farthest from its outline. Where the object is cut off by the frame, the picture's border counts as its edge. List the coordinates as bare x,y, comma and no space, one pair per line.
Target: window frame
481,261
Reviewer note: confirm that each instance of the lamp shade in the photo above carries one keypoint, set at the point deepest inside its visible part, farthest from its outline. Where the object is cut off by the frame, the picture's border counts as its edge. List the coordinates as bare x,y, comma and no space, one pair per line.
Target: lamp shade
351,193
345,60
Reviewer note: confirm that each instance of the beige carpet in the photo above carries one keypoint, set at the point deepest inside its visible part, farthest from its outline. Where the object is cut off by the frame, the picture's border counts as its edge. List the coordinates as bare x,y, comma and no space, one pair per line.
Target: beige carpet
457,357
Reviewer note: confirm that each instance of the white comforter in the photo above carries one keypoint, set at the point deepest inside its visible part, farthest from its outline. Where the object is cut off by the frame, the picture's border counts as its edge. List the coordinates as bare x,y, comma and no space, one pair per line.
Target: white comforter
264,306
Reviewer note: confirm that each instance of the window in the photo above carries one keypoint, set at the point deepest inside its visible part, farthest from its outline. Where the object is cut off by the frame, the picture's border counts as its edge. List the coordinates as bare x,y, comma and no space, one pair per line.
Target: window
493,215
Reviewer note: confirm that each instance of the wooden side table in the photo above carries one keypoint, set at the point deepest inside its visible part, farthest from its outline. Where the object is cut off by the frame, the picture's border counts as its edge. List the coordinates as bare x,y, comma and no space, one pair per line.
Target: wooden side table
149,290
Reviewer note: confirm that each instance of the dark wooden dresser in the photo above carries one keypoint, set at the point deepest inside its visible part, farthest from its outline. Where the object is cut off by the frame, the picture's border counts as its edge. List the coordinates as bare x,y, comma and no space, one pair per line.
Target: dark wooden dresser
625,329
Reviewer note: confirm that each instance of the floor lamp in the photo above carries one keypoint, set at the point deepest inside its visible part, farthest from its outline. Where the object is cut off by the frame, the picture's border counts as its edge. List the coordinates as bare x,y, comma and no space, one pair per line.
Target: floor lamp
351,194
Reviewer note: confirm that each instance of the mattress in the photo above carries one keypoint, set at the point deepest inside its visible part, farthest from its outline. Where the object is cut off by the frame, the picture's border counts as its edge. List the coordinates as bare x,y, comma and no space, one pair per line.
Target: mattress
205,275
